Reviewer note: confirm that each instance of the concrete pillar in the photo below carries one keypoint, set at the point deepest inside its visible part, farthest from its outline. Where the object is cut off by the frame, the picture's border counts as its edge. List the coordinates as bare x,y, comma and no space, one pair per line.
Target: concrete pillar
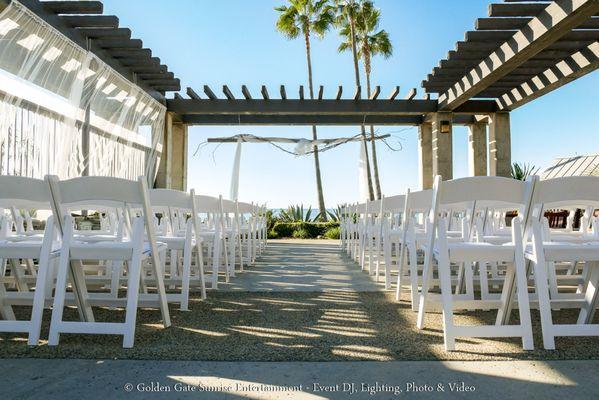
425,156
500,145
442,145
179,154
477,149
172,172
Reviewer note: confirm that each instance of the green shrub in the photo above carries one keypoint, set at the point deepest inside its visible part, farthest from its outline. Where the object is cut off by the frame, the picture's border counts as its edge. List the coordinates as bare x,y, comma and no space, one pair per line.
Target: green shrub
302,234
301,230
283,229
333,233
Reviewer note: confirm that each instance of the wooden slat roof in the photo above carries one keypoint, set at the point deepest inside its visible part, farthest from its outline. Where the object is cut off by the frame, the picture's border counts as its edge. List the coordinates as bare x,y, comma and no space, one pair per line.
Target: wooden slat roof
503,22
573,166
83,22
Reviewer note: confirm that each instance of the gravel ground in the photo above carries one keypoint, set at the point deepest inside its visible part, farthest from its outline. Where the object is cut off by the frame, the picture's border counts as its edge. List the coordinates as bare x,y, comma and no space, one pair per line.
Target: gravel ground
299,326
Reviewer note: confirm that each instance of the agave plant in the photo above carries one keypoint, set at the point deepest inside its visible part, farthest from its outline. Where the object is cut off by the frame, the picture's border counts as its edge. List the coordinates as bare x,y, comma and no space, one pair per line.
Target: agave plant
335,214
522,171
296,214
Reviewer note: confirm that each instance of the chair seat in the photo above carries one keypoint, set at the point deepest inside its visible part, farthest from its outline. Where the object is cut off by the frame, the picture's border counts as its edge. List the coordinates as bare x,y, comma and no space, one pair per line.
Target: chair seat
497,239
88,238
565,251
108,250
23,248
484,252
175,242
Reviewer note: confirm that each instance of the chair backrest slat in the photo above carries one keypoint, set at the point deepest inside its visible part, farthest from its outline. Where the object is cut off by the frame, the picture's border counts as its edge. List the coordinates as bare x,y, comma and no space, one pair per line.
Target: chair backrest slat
22,192
170,198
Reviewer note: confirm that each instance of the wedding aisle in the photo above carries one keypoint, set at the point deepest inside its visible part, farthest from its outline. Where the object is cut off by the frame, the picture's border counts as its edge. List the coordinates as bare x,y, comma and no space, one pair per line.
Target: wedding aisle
302,301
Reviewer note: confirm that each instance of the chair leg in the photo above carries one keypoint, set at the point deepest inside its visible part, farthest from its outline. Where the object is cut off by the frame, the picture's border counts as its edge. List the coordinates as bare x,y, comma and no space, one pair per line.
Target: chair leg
185,277
387,247
133,282
446,298
590,296
200,263
59,295
215,262
523,303
6,310
413,255
542,288
39,297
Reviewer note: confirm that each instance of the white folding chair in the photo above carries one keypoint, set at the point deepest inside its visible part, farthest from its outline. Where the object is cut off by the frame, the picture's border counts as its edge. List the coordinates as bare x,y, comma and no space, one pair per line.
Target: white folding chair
546,250
18,193
181,238
413,234
212,233
440,246
70,195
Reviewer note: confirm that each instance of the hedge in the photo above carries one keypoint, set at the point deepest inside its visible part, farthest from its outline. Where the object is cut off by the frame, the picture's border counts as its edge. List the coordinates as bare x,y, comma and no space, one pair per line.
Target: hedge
303,230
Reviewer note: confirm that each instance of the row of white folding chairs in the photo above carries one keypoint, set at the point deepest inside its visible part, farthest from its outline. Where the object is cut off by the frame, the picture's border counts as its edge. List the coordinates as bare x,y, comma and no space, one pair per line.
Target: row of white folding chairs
128,238
482,240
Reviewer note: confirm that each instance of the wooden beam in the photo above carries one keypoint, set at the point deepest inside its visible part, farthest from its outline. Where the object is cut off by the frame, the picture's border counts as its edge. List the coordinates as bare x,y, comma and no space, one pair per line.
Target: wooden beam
558,18
517,10
264,92
565,71
329,120
119,43
192,94
160,75
411,94
375,94
178,96
246,93
163,82
228,93
301,92
95,33
494,24
74,7
320,92
394,93
358,93
283,93
130,53
339,108
209,93
339,92
91,21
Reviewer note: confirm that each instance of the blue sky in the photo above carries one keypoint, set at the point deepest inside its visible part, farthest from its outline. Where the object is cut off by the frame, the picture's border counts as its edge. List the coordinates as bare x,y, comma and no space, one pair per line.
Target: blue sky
234,42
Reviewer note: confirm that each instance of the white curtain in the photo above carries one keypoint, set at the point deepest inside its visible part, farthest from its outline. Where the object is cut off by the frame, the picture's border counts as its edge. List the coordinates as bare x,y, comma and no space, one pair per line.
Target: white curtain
65,112
362,174
234,192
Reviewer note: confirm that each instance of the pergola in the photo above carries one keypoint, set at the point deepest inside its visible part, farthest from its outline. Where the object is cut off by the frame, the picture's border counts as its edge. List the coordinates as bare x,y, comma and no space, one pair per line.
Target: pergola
521,51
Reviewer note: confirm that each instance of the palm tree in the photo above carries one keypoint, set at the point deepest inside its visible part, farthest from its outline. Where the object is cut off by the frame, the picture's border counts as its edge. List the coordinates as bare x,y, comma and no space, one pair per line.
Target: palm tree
304,17
372,42
521,171
347,11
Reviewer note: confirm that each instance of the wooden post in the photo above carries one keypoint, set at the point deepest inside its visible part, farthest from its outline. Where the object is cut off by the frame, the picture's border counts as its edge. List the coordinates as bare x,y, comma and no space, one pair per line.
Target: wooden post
477,149
442,145
425,155
500,146
179,157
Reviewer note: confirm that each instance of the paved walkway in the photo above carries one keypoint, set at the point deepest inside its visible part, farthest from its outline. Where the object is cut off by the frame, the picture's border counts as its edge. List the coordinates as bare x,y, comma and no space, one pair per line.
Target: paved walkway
305,266
109,379
345,319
